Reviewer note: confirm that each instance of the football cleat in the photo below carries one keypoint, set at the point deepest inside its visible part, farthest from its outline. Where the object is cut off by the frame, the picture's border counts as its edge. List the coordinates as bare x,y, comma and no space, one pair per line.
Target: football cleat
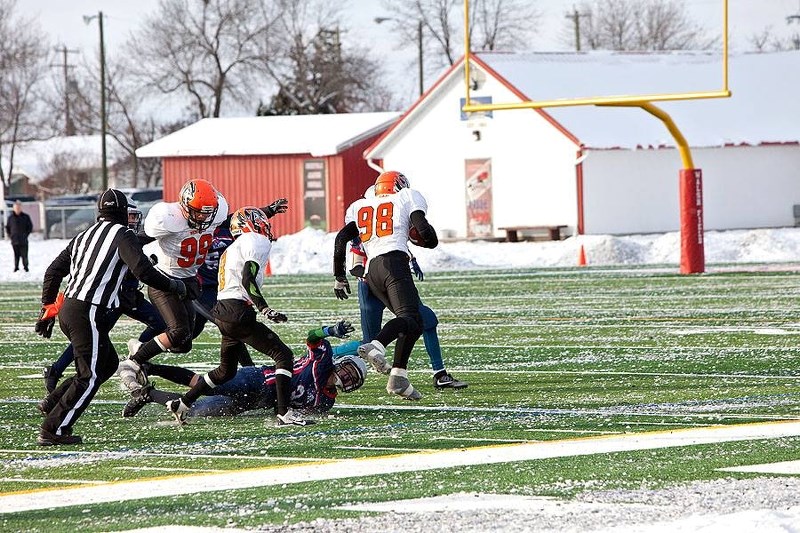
131,375
293,418
402,387
447,381
139,399
46,438
375,356
178,409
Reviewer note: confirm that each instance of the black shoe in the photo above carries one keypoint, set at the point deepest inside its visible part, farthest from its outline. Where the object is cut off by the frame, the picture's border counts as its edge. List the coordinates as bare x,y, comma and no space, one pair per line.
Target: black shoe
46,438
139,399
50,379
446,381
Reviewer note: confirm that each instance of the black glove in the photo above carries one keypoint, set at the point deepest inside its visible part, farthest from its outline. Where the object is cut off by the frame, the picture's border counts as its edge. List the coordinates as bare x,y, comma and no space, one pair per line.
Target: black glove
177,287
44,326
278,206
273,315
341,288
416,270
341,329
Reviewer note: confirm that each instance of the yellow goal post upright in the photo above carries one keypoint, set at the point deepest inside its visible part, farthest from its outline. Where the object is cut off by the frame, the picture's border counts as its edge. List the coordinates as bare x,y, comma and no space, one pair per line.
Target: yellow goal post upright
690,178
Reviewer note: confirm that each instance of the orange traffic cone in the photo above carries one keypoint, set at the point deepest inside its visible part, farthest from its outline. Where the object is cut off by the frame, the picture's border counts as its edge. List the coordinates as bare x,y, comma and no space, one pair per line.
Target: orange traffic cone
582,257
268,269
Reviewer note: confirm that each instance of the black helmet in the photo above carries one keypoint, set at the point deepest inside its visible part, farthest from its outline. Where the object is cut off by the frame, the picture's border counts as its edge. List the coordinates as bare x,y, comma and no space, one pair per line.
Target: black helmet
112,206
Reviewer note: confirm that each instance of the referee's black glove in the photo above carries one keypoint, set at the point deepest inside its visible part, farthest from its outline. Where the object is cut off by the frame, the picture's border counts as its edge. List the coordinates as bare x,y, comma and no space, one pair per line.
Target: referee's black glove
44,327
176,286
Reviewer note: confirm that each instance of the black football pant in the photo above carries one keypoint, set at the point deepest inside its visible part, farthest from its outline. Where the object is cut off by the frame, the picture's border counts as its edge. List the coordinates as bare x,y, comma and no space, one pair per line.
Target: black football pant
390,280
86,326
239,327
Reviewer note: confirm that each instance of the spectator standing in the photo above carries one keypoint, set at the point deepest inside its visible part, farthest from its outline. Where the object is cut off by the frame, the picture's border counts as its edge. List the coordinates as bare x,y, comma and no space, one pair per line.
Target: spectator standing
18,227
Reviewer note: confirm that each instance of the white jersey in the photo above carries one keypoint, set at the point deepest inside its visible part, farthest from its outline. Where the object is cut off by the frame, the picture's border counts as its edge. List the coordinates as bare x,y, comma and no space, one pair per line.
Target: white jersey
247,247
180,249
384,221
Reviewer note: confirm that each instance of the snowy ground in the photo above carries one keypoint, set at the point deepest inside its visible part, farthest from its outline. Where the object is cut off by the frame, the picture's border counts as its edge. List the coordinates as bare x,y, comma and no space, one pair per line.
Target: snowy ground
763,504
310,251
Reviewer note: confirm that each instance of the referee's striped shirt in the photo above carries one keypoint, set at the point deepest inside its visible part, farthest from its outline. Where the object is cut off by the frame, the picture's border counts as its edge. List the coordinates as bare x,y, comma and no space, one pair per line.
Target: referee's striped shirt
96,261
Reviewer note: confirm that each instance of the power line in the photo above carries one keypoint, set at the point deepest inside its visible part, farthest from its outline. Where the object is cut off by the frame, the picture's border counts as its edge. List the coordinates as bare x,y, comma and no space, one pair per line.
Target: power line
69,126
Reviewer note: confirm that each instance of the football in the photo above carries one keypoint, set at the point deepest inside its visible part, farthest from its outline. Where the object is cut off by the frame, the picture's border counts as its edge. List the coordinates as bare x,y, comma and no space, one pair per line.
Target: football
414,237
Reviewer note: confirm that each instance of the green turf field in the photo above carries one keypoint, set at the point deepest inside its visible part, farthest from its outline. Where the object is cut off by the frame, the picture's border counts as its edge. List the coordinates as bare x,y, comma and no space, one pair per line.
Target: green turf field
549,355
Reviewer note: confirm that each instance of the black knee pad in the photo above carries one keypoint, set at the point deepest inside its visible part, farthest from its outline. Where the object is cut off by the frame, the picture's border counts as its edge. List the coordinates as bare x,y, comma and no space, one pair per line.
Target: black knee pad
181,340
414,324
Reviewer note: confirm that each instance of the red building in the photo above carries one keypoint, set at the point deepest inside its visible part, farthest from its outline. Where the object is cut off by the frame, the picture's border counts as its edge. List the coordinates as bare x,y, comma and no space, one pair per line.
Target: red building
313,160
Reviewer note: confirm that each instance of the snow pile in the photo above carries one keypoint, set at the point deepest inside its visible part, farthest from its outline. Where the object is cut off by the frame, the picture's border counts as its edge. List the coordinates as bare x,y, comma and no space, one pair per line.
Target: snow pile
311,251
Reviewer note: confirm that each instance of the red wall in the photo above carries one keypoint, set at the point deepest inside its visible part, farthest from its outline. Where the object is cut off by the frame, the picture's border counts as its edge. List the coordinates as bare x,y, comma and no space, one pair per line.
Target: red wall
257,180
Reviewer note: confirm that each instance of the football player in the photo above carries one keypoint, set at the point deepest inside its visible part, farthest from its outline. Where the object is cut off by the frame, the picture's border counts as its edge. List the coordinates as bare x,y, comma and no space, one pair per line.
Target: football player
183,232
371,309
241,274
316,379
383,224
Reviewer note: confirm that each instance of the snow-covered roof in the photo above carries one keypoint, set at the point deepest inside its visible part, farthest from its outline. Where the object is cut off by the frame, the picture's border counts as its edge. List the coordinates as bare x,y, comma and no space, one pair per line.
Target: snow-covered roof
763,108
36,159
318,135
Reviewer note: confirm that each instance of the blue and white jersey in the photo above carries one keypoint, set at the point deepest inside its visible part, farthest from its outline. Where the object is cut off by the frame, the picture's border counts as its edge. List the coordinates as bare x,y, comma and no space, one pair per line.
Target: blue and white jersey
209,270
309,379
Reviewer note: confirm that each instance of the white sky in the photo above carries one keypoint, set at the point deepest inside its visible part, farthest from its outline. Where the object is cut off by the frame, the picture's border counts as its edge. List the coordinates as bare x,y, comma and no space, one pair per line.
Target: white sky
63,21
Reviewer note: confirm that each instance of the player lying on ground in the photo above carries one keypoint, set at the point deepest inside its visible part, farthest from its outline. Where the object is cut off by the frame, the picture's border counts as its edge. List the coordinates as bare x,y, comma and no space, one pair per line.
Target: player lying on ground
315,381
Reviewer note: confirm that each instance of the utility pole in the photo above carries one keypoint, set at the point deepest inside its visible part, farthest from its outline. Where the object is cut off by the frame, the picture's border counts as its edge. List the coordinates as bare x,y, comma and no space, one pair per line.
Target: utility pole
69,126
103,126
575,16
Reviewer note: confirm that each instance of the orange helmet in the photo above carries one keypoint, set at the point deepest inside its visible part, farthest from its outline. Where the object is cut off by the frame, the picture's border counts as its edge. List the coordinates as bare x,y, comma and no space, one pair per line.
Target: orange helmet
390,182
199,203
250,220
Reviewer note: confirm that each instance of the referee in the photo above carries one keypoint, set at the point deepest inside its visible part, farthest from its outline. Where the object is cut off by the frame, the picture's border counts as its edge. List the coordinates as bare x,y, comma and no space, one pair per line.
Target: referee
96,261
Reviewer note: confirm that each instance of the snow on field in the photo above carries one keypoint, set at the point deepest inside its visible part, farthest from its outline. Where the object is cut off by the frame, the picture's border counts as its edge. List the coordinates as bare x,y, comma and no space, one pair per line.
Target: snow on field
310,251
763,504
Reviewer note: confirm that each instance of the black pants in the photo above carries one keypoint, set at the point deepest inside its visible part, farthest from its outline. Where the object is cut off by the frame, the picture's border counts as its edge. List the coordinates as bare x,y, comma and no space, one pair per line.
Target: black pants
239,326
178,314
390,280
20,252
87,327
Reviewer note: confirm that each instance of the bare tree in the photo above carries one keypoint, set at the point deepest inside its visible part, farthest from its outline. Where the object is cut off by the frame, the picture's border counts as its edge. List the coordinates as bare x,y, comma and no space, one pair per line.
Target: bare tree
23,66
494,24
641,25
766,40
203,50
318,73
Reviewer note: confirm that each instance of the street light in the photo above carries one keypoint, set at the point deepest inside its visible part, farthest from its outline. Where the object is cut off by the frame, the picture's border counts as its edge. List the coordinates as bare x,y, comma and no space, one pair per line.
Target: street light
379,20
87,19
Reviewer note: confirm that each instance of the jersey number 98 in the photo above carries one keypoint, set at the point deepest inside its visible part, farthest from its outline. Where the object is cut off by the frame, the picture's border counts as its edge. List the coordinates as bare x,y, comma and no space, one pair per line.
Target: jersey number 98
376,220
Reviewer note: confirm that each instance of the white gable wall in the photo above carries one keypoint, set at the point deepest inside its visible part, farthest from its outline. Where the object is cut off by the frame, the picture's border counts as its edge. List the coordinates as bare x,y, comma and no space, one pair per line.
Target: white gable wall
743,187
533,170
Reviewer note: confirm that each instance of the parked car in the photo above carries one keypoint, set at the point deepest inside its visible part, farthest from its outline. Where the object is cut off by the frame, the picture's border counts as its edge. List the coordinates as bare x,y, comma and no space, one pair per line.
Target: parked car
144,196
72,199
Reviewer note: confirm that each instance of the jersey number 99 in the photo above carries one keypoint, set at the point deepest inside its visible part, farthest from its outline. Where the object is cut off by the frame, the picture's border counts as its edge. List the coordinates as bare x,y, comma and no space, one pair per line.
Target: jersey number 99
194,250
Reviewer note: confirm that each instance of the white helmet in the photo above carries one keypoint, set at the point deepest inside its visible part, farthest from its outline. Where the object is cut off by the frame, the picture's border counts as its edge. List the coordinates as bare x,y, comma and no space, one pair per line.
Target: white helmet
350,372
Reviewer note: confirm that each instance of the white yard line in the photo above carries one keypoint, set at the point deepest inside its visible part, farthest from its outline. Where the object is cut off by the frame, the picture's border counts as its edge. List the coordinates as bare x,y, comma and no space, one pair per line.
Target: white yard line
392,464
784,467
